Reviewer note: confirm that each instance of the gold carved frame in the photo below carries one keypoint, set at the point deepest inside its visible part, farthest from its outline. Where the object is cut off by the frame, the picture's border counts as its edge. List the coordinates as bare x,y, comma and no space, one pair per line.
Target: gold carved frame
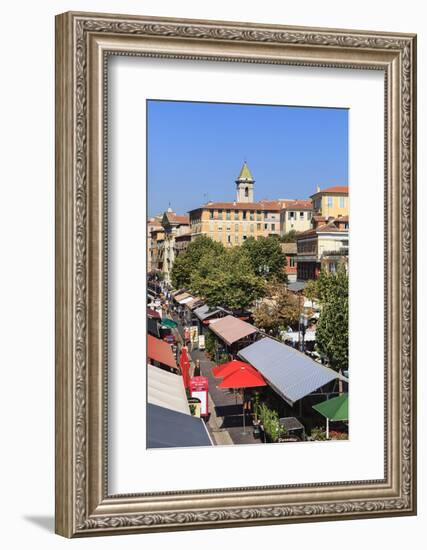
83,43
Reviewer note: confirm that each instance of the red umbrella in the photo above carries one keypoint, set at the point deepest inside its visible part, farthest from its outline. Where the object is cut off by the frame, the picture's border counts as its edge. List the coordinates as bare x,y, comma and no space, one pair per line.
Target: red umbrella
184,364
220,371
243,377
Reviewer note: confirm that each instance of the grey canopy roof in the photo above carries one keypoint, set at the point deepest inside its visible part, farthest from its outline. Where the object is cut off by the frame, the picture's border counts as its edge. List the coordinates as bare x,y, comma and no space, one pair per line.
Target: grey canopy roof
167,428
297,286
289,372
204,312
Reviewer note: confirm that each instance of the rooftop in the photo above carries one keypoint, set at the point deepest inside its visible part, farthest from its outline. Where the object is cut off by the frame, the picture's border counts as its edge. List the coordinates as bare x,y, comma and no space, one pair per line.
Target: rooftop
231,329
261,205
339,189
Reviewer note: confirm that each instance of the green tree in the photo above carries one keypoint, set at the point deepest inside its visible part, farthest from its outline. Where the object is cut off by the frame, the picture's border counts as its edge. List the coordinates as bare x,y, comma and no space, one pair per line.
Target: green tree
227,280
186,263
266,257
289,237
332,327
278,310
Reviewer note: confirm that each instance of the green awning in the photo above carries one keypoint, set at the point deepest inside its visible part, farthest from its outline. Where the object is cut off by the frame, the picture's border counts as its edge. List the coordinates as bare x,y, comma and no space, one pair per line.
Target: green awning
168,323
334,409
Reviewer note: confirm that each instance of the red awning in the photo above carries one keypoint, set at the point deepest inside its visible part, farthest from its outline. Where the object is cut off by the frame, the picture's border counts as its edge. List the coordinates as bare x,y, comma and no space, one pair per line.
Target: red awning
220,371
243,377
184,363
160,351
153,313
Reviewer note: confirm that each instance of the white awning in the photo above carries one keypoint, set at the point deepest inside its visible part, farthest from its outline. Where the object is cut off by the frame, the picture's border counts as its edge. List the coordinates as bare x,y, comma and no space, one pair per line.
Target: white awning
166,389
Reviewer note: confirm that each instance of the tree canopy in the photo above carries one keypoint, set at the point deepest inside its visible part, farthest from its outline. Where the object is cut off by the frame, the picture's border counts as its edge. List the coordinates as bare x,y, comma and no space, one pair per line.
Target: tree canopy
266,257
331,289
279,309
187,261
289,237
227,280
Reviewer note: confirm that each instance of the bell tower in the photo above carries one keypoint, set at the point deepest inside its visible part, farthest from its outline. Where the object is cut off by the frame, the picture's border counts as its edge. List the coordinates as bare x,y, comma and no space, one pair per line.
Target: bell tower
245,185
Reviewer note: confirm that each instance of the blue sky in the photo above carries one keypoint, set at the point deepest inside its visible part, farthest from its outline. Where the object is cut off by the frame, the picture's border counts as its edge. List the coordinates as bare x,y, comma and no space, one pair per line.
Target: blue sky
196,151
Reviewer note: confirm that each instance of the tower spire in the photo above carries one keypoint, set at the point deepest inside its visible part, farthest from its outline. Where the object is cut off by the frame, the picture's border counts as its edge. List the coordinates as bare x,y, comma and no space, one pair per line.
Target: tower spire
245,185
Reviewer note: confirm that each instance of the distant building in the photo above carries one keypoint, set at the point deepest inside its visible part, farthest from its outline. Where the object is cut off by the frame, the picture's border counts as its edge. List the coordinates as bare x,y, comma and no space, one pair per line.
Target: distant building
295,215
231,223
324,246
290,252
174,226
153,225
331,202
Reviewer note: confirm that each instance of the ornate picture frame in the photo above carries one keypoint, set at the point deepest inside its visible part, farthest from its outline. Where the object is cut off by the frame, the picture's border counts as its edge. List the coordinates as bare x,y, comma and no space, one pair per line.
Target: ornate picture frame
83,43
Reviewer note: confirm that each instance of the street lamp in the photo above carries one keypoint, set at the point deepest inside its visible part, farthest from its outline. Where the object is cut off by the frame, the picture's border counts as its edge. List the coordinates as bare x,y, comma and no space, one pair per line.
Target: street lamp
303,322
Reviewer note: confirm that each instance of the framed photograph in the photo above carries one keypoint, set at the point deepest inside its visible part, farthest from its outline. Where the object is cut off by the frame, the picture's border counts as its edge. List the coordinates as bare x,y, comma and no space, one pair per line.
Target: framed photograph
235,274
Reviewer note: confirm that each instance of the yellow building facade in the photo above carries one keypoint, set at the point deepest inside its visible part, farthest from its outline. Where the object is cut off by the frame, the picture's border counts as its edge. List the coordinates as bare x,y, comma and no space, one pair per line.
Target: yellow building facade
332,202
231,223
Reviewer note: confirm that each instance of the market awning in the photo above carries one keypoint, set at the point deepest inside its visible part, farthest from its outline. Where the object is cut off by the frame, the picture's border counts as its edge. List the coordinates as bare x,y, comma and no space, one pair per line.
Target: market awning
204,312
244,376
185,301
297,286
160,351
167,428
289,372
168,323
309,336
334,409
226,368
153,327
230,329
153,313
182,296
166,390
193,303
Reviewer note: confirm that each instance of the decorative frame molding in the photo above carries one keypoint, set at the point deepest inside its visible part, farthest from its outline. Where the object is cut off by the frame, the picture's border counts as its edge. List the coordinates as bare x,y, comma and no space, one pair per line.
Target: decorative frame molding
83,43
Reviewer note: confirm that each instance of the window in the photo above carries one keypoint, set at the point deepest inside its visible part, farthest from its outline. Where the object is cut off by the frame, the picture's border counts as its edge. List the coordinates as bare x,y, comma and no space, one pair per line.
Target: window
291,262
265,215
258,226
236,227
308,215
228,214
273,227
220,214
236,238
219,227
301,215
259,216
246,192
244,237
252,227
266,226
228,227
330,202
245,214
228,238
342,202
291,215
251,217
211,214
236,214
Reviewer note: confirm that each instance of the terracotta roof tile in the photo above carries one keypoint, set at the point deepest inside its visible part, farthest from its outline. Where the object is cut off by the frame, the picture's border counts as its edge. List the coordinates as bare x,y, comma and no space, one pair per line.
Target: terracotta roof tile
261,205
297,204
